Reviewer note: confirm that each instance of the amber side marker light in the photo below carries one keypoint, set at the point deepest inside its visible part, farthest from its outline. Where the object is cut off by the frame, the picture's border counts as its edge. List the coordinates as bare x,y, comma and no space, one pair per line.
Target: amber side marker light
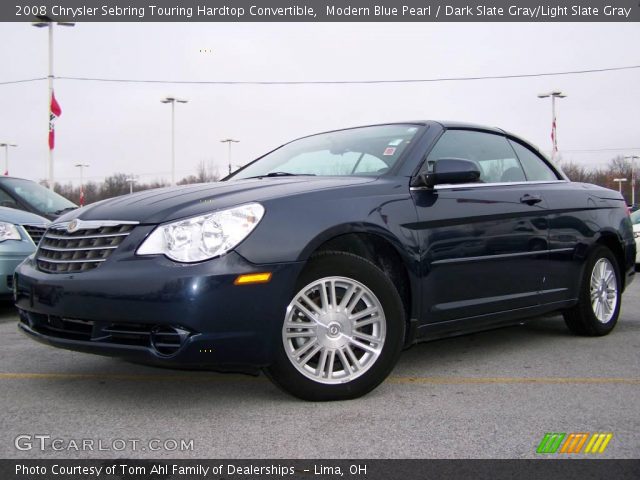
250,278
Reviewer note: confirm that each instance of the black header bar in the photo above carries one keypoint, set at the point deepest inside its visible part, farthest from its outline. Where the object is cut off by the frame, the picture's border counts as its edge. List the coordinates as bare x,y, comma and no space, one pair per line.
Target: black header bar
321,10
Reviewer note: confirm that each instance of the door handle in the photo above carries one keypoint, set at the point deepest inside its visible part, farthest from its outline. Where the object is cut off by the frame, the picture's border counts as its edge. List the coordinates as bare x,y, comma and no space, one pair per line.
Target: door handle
530,199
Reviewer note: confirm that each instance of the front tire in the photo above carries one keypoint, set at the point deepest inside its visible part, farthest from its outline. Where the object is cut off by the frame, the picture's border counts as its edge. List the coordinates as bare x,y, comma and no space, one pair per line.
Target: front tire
343,330
598,308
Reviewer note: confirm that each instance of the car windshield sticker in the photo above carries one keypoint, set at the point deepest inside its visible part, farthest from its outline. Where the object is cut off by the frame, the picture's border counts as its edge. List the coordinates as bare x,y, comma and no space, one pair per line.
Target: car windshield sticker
389,151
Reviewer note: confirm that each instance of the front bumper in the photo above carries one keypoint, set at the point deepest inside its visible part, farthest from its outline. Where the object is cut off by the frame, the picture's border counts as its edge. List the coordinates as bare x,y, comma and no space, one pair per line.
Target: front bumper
139,307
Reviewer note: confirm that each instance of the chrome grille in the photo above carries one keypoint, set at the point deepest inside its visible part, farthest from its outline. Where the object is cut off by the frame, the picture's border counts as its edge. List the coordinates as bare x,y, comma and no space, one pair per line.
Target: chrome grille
78,246
35,232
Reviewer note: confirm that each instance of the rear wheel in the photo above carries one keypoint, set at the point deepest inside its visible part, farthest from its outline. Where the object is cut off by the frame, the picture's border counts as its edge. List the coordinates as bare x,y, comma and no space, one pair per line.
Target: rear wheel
342,332
598,307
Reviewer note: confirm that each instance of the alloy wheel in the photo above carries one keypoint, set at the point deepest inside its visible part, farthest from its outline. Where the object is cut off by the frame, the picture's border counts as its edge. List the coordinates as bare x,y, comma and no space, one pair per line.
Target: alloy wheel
334,330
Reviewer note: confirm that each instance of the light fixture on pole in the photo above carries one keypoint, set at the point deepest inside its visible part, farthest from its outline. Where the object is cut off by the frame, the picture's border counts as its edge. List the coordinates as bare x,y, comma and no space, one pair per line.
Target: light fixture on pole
633,177
44,21
619,182
6,146
131,180
554,137
82,166
172,100
229,141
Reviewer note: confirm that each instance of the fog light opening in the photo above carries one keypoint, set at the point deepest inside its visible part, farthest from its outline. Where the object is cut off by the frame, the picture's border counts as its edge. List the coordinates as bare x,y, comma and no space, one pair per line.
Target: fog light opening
166,340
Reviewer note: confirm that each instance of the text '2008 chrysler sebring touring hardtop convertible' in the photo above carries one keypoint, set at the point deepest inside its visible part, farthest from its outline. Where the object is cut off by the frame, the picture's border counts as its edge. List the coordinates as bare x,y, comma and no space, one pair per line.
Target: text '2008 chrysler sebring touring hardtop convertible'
321,260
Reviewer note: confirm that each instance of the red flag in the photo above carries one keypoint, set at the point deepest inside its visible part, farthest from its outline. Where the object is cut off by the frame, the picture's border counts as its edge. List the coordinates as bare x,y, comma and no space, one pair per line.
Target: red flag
54,112
82,197
554,138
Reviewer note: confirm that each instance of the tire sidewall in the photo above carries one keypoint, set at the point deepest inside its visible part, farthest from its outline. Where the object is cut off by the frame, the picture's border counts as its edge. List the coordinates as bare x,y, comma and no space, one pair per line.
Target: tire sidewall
287,376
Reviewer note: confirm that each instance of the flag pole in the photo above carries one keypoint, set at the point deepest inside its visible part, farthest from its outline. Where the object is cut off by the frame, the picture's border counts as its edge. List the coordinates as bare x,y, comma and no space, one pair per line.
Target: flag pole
50,77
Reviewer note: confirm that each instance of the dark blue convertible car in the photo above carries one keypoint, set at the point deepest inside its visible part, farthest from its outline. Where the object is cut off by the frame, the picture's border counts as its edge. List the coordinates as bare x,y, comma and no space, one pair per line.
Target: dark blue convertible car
321,260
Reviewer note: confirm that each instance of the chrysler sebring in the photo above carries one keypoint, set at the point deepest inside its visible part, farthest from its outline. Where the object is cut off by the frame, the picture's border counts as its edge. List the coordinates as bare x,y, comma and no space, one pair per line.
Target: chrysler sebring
321,260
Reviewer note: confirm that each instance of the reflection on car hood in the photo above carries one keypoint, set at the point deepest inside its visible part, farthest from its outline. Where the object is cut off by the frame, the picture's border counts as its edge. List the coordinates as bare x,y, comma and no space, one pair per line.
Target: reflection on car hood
165,204
19,217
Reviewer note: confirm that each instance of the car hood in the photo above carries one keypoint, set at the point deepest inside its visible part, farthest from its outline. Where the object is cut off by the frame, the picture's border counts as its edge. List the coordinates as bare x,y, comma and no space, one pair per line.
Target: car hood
19,217
166,204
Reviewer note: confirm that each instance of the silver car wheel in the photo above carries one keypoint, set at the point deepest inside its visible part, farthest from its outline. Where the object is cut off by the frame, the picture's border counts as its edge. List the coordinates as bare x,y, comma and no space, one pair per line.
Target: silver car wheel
334,330
604,290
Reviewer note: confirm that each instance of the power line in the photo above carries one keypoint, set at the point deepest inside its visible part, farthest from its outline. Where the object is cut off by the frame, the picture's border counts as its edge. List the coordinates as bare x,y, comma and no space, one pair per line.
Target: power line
331,82
26,80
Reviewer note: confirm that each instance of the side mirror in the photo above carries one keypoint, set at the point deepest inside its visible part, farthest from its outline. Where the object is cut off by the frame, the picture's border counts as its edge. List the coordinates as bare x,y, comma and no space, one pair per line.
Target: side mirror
448,170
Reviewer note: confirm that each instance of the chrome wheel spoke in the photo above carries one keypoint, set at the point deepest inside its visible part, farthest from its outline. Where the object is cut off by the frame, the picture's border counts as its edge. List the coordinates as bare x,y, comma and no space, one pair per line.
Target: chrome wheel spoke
332,361
304,310
310,355
363,313
300,351
334,330
345,363
364,346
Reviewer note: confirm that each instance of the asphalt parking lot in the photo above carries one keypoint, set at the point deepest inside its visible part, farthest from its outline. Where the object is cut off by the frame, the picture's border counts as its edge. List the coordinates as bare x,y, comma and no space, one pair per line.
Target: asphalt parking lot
489,395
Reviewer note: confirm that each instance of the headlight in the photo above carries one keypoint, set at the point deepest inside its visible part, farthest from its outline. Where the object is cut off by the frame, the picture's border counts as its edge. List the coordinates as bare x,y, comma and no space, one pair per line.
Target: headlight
8,231
201,238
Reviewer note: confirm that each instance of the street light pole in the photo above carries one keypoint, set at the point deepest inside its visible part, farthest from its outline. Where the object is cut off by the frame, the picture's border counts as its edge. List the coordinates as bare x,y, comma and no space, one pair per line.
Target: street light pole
619,181
633,177
229,141
82,166
131,180
172,100
554,138
45,21
6,146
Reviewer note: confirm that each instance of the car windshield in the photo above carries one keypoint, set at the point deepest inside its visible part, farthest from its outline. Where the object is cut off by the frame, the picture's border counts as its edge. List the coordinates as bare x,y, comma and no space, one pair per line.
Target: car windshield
635,217
37,196
358,151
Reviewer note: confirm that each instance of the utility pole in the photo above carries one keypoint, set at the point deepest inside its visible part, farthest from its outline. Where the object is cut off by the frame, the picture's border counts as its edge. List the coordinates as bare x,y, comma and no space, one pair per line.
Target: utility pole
229,141
633,178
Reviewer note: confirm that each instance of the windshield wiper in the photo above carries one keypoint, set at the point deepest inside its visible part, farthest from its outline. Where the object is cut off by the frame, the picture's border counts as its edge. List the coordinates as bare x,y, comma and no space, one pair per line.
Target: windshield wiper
283,174
64,210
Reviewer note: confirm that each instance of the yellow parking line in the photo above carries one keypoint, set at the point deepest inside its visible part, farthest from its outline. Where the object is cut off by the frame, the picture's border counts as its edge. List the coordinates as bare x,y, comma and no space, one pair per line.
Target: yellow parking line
500,380
406,380
125,377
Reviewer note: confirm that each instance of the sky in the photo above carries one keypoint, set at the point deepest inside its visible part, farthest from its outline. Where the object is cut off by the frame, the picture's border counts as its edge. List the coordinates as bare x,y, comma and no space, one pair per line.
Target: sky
123,127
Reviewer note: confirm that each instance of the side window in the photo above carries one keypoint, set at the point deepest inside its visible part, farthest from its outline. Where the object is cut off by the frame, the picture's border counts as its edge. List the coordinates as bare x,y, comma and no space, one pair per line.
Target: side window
534,167
491,152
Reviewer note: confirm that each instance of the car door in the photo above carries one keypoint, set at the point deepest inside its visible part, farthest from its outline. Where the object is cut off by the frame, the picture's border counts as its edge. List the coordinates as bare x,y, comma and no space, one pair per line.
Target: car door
483,245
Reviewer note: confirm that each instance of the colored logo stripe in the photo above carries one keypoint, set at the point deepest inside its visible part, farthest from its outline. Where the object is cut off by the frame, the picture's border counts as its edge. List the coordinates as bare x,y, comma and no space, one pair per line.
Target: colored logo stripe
598,442
550,443
574,442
